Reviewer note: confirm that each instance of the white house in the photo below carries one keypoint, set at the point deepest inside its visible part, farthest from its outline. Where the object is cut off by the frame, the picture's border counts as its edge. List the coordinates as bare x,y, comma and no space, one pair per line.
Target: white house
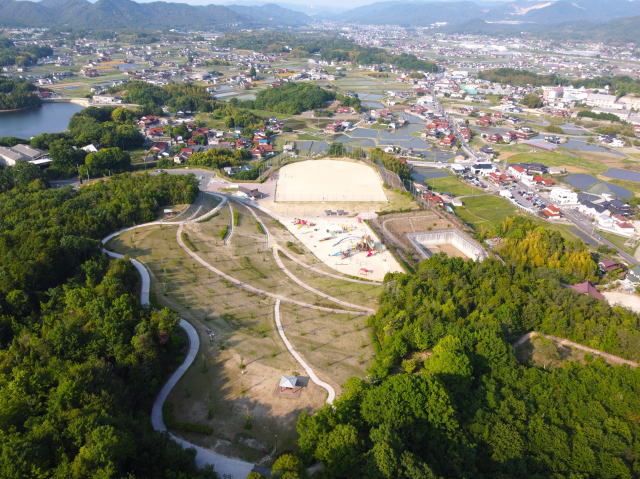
563,196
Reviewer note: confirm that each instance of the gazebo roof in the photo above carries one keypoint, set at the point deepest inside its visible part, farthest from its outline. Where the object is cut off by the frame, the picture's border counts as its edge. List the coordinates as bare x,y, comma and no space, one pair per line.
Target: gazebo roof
288,382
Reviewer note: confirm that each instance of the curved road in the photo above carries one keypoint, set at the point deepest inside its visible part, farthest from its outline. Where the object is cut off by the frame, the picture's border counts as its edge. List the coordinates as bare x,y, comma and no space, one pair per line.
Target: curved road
295,279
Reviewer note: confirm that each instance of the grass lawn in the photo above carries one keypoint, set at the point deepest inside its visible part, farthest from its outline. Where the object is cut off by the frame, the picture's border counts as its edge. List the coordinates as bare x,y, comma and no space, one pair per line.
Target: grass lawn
486,211
451,184
232,385
620,241
398,201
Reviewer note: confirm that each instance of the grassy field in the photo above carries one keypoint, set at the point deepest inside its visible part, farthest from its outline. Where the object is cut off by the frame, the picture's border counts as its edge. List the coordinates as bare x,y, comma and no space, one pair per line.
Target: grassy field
574,162
486,211
451,184
232,386
628,246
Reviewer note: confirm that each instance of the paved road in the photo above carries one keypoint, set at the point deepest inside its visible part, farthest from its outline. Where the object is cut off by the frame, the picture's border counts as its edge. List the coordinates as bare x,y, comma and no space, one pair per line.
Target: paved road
331,392
586,227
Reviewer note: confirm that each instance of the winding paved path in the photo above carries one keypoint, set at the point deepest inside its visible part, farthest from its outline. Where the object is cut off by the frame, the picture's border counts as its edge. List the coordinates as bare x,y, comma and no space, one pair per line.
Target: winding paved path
227,467
314,377
326,273
315,291
223,465
248,287
227,237
251,209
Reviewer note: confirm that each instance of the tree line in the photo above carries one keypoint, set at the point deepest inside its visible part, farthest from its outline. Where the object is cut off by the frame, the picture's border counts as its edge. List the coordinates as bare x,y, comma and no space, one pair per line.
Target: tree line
15,94
330,47
446,396
10,54
620,84
80,359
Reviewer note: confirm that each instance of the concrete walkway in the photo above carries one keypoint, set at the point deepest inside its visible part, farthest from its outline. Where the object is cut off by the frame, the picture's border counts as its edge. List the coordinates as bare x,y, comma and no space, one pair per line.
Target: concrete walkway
226,467
312,375
227,237
249,287
298,281
251,208
326,273
223,465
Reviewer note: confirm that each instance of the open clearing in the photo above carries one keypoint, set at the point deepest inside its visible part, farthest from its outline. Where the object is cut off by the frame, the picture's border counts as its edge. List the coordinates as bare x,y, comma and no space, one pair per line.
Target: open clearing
453,185
486,211
232,386
329,180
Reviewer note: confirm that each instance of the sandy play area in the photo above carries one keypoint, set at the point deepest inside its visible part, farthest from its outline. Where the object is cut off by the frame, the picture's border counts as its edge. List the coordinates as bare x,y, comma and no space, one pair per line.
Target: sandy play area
329,180
339,243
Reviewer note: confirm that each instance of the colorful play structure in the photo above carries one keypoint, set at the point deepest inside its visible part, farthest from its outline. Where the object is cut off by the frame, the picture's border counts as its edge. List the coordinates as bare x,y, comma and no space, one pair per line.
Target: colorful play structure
300,223
359,244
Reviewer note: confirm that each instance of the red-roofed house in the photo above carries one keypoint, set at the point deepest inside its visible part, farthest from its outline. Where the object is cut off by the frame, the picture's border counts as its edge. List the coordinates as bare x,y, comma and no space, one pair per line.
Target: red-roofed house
551,212
587,288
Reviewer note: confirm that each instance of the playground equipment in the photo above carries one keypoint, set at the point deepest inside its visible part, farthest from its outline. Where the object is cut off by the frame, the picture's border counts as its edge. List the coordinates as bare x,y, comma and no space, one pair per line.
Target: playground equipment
346,238
300,222
366,243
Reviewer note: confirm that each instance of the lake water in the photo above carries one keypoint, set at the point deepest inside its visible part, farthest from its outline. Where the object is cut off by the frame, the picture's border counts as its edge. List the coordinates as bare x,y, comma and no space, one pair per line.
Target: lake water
49,118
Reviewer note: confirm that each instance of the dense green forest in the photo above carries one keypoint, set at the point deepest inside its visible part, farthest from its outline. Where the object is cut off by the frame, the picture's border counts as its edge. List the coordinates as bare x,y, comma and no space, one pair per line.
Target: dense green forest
621,85
291,98
599,116
186,97
446,397
329,47
80,359
21,56
219,158
16,94
113,129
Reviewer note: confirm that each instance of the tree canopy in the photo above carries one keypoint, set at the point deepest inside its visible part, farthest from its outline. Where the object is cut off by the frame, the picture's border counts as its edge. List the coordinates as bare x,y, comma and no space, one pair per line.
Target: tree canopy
464,406
16,94
80,358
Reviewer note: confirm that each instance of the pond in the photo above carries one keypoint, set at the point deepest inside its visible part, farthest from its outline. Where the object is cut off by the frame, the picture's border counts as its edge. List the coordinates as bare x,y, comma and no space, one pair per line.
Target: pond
618,174
591,184
49,118
422,174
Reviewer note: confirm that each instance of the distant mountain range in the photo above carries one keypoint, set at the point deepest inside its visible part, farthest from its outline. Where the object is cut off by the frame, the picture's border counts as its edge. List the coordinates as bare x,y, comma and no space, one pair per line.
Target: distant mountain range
519,12
123,14
606,20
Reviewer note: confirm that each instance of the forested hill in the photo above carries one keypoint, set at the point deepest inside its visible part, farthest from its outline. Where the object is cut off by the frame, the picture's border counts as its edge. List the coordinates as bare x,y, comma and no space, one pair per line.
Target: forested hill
80,359
448,399
621,85
330,47
15,94
127,14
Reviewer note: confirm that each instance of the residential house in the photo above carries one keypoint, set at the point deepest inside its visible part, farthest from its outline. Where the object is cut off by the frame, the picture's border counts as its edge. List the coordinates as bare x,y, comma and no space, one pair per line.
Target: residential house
607,264
563,196
551,212
587,288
